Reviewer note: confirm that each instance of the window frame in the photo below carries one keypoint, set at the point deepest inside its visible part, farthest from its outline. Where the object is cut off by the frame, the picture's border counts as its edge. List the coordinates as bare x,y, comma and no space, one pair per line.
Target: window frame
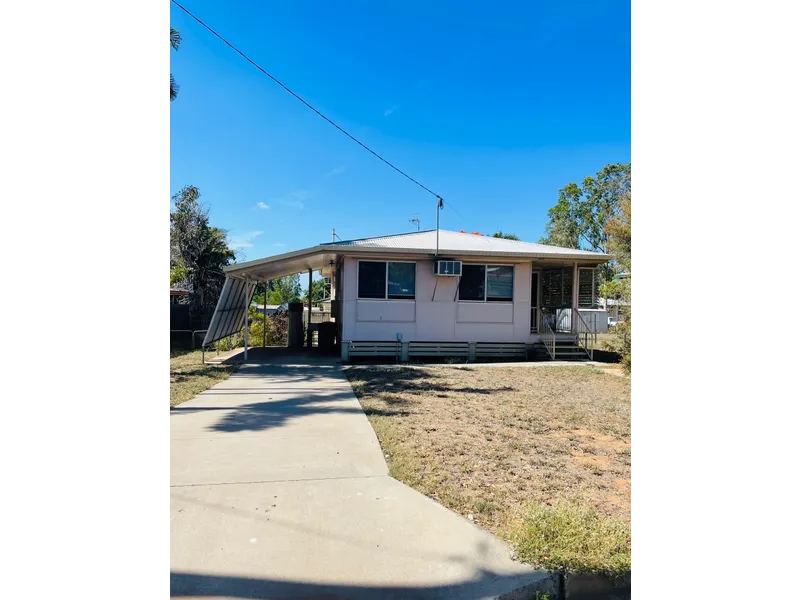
386,281
486,282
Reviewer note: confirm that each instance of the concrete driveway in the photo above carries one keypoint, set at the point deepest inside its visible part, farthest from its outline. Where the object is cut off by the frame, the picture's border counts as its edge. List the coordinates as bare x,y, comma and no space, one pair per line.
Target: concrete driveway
279,489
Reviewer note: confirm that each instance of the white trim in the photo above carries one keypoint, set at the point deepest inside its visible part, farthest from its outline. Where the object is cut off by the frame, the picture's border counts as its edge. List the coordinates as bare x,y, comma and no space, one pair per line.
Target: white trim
386,286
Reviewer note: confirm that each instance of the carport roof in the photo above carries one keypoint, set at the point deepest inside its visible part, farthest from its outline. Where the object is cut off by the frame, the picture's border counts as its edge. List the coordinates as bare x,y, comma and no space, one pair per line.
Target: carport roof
422,243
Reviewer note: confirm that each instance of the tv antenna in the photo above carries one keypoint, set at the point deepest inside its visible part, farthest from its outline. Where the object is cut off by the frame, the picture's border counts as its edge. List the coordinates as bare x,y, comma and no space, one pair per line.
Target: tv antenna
414,220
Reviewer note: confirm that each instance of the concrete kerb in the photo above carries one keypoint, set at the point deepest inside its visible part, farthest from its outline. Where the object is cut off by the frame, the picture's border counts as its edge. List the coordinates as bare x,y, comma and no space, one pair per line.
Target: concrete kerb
589,586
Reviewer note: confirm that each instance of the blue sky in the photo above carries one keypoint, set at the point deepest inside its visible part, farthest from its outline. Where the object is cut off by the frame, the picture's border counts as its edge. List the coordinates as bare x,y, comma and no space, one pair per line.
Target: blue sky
494,106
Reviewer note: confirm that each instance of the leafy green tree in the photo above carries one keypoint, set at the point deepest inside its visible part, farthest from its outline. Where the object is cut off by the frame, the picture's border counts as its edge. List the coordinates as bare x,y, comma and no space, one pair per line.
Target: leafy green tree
618,230
505,236
319,291
198,251
175,42
578,219
562,228
284,289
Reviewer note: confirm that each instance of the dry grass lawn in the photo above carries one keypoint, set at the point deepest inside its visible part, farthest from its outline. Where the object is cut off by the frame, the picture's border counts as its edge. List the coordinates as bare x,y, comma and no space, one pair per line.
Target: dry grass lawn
188,376
502,444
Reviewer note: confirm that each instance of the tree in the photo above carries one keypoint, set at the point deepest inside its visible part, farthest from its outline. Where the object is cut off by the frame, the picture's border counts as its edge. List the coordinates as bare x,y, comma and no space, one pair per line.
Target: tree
284,289
579,217
198,252
175,42
319,291
505,236
618,230
562,228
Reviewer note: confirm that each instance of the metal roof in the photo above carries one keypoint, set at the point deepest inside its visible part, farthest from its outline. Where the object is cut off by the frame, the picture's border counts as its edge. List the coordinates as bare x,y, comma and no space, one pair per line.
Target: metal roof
451,243
461,242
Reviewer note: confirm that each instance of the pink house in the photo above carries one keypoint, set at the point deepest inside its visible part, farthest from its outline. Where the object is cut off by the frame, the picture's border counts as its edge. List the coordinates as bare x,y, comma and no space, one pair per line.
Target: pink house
442,293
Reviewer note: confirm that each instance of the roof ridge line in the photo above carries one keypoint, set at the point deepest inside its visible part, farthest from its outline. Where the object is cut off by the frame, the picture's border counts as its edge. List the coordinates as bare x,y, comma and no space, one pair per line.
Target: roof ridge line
378,237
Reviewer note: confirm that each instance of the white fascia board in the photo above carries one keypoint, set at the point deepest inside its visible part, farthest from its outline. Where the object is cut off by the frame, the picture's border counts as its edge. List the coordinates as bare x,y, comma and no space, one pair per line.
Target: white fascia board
241,269
429,254
234,268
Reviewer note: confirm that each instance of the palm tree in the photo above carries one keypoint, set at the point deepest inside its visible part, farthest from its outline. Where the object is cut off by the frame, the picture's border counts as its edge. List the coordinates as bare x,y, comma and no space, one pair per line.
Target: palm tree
174,41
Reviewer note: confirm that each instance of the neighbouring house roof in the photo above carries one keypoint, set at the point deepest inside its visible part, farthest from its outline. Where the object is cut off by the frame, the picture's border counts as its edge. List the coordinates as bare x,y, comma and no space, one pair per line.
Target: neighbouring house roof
452,244
269,306
613,302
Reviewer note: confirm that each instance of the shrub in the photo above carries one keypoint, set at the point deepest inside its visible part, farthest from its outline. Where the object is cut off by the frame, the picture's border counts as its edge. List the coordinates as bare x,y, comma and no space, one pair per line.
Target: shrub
621,343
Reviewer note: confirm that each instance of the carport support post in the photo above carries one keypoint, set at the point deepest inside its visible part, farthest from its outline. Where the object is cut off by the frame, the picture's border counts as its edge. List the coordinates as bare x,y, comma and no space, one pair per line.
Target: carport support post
575,291
308,329
265,314
246,327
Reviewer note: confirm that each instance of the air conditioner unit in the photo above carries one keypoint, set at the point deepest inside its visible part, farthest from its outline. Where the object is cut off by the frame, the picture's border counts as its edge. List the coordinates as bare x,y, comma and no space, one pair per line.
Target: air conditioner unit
447,268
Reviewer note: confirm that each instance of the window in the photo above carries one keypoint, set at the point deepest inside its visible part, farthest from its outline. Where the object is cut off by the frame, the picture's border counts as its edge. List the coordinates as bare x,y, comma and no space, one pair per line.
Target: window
402,280
557,288
379,280
588,288
499,283
473,283
486,283
372,280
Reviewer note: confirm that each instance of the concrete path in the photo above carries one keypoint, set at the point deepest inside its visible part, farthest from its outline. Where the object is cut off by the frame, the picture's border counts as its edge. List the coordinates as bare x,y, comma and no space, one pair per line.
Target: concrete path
280,490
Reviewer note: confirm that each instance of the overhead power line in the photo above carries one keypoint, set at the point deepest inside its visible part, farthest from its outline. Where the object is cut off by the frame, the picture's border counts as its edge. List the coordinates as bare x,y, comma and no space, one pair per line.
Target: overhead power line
248,59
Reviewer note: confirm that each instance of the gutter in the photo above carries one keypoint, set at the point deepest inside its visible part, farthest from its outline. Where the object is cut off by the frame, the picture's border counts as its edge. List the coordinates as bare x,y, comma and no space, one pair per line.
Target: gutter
425,253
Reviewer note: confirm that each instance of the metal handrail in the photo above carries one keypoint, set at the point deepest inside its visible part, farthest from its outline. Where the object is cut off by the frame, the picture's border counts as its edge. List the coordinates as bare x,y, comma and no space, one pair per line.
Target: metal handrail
584,336
548,336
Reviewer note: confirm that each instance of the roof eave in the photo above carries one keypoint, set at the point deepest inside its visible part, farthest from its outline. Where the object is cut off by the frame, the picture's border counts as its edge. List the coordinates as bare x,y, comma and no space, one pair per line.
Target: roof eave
234,269
275,258
427,252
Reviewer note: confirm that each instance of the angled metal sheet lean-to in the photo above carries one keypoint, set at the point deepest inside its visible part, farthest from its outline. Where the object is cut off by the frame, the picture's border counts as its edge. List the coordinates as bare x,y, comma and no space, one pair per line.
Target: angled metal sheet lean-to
231,308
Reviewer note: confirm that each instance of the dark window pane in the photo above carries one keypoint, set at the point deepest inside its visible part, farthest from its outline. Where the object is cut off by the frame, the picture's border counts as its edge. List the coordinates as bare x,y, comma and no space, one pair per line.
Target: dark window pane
402,280
473,278
371,279
500,283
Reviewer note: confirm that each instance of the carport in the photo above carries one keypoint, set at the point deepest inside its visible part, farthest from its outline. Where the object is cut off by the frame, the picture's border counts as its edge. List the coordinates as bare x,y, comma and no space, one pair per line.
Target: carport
240,283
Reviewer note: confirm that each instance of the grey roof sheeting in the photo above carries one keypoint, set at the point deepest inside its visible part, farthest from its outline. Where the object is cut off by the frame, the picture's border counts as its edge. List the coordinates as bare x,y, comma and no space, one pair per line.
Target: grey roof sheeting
231,309
452,243
456,241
